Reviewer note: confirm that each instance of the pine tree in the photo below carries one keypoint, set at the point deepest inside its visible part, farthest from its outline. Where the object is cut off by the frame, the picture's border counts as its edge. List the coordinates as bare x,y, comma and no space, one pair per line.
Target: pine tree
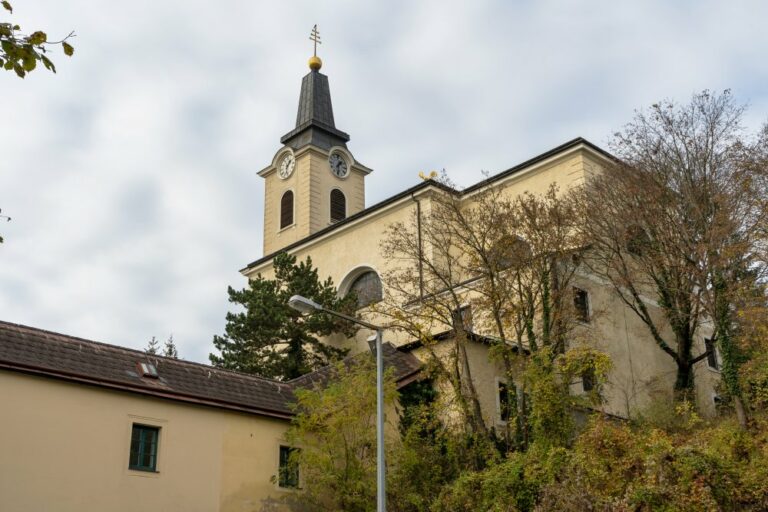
170,348
153,346
270,338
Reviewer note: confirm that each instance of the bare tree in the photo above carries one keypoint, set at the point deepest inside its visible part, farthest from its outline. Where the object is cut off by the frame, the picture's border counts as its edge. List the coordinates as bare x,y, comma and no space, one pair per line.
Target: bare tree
675,222
508,260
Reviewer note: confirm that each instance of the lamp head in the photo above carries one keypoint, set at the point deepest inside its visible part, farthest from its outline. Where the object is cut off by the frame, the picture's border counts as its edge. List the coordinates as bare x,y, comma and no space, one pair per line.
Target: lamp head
303,304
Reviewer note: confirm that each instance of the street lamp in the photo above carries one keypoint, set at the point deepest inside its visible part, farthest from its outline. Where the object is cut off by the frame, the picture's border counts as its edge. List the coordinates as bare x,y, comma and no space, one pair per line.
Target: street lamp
306,306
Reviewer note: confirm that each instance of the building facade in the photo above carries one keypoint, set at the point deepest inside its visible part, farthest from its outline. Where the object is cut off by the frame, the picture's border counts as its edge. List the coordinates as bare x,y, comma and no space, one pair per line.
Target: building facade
89,426
313,172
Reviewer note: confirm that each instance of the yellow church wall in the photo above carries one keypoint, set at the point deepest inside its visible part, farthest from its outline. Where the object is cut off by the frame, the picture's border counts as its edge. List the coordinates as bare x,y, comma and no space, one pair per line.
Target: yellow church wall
311,183
299,183
343,252
65,447
486,374
641,370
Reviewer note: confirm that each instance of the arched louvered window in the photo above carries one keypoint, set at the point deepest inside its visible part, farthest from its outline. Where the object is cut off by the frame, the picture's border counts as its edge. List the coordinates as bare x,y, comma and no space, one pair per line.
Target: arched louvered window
338,205
286,210
367,287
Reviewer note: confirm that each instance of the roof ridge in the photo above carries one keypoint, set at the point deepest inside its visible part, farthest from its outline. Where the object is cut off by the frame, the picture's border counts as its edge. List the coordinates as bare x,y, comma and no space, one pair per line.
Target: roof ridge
73,339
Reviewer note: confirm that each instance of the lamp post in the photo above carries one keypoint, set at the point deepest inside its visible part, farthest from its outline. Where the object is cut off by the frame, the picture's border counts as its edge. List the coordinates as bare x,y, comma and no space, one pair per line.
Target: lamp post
305,305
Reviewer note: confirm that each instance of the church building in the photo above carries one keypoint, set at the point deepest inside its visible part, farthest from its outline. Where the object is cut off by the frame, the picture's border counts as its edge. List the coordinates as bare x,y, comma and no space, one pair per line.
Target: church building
89,426
314,206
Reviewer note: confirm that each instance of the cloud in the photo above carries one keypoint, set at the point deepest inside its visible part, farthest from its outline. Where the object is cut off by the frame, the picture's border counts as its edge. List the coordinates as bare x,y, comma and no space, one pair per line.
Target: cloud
131,174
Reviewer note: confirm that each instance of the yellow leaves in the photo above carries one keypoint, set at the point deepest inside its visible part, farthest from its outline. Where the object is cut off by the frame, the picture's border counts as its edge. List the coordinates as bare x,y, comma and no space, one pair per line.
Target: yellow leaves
579,360
37,38
68,49
48,64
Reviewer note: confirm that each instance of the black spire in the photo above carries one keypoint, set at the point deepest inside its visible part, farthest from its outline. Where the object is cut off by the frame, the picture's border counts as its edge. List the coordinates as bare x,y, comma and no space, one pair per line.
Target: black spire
314,120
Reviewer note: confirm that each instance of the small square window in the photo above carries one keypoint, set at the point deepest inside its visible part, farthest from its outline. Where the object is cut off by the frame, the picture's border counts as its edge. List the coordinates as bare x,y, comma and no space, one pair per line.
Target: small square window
143,456
288,471
581,304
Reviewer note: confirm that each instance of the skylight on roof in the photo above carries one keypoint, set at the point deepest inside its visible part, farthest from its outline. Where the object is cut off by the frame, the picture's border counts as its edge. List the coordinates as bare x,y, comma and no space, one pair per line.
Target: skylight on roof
148,370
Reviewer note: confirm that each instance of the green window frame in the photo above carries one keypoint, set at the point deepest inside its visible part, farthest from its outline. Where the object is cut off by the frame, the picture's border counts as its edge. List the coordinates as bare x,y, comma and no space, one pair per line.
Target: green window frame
288,472
143,455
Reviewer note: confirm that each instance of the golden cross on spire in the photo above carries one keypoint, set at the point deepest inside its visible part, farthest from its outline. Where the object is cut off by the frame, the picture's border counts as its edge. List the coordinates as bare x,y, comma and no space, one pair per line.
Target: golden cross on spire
315,36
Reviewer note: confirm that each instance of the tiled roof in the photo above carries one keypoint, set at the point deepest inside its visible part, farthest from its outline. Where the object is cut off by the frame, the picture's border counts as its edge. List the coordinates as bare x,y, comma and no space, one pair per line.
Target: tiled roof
406,368
46,353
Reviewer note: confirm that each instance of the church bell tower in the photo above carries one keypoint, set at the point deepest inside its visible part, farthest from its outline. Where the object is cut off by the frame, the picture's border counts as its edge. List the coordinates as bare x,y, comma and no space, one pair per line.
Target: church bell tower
314,180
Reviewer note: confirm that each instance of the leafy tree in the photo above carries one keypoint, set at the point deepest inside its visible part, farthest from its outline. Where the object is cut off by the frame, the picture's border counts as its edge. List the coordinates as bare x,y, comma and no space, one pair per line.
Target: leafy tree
153,346
335,431
271,339
21,53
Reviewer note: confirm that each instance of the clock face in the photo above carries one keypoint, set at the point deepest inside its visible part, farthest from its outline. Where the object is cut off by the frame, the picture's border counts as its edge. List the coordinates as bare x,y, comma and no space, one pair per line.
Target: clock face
286,165
338,165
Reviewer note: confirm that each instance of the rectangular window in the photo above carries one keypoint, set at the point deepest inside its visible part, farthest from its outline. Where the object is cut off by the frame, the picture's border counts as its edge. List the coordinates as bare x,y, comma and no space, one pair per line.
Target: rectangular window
288,470
144,448
709,345
507,400
588,380
581,304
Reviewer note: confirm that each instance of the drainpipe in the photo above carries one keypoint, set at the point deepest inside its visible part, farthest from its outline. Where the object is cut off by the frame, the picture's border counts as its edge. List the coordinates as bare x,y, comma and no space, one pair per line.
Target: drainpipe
418,234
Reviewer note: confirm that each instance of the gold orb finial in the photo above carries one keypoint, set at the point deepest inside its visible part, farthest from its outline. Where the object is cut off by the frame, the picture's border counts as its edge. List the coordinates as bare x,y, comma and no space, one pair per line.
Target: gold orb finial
315,63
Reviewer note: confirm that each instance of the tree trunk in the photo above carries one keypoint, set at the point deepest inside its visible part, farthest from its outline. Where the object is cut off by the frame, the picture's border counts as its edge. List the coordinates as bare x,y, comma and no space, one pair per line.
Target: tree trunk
684,388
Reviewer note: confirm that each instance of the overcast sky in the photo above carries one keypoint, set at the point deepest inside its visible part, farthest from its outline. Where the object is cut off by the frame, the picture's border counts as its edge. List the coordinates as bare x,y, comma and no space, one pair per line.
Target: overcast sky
131,174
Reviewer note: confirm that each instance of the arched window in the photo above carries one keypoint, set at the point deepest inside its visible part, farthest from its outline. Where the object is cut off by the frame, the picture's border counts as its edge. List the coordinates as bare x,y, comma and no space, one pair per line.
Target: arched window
367,287
286,210
338,205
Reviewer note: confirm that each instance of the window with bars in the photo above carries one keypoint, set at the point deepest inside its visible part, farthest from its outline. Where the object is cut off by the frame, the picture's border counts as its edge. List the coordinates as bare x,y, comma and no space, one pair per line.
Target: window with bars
712,361
288,470
286,209
581,304
338,205
367,288
143,456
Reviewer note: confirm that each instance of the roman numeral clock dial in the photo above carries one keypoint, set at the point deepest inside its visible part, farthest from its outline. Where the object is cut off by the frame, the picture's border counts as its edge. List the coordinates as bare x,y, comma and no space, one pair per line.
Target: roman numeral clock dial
286,166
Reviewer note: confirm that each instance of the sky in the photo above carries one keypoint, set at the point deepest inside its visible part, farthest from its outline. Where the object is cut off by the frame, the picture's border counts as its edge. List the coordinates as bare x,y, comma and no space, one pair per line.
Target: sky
130,175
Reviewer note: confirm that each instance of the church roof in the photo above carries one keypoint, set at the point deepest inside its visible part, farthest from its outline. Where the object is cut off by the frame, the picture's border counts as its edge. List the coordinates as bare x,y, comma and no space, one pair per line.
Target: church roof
314,120
432,183
49,354
406,367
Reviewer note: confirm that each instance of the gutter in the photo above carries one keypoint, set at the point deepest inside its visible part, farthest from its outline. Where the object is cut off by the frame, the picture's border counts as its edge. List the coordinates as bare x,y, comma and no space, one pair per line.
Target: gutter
110,384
